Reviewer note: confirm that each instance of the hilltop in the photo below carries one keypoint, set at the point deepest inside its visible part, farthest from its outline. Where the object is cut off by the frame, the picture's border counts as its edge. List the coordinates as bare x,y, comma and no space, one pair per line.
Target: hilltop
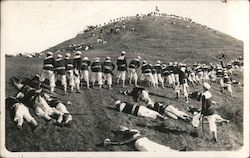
157,36
168,38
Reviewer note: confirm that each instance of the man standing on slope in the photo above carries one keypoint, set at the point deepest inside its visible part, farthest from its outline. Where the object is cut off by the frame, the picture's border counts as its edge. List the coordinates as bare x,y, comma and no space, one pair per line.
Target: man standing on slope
69,71
176,71
171,78
132,67
77,61
183,81
48,71
159,72
147,74
122,68
96,68
60,71
85,70
108,68
207,111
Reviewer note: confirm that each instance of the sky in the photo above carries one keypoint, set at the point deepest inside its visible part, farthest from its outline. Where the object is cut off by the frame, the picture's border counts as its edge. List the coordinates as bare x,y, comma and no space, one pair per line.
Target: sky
33,26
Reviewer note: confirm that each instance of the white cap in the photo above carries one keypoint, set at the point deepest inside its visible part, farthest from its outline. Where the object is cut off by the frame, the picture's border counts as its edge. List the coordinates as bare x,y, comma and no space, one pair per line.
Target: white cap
170,63
139,57
59,56
85,58
175,63
123,52
144,61
134,130
183,69
206,85
195,113
67,55
123,128
117,102
97,59
78,53
49,53
182,65
108,58
158,61
69,103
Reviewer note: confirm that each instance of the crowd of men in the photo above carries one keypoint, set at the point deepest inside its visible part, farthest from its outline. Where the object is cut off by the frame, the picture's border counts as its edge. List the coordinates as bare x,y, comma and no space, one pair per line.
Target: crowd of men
75,72
72,72
176,75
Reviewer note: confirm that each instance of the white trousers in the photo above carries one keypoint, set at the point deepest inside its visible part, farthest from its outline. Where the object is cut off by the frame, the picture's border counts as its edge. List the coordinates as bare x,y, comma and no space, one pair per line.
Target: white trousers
22,113
108,78
96,76
144,144
70,77
48,74
146,112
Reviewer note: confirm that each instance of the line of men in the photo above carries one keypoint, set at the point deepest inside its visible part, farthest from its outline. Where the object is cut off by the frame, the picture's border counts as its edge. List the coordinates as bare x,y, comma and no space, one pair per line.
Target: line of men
71,71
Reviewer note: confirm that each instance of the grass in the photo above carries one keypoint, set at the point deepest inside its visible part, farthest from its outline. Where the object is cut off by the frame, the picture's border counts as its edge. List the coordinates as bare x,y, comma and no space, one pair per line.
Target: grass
154,38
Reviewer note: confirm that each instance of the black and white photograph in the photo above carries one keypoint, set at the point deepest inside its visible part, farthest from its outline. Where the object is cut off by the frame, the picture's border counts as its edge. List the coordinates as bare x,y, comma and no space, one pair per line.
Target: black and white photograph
124,79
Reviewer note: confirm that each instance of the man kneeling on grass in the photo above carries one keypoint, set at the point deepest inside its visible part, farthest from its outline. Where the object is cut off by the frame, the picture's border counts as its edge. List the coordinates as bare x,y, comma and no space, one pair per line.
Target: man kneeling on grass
140,142
138,94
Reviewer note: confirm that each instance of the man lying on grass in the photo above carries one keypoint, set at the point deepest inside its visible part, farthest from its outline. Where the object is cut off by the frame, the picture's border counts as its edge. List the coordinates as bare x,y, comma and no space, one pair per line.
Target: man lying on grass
140,142
137,110
36,99
169,110
141,94
20,113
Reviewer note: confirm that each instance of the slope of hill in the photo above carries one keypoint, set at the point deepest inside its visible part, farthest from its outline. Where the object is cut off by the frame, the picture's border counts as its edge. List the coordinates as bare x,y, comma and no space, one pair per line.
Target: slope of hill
164,38
161,36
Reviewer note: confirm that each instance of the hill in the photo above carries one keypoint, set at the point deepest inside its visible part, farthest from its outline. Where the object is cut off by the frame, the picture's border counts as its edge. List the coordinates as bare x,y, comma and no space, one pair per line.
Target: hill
165,38
158,37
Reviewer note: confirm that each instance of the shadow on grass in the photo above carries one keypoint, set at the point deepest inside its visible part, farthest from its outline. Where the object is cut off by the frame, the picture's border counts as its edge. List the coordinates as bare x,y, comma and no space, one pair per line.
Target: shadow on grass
100,145
111,108
163,129
162,96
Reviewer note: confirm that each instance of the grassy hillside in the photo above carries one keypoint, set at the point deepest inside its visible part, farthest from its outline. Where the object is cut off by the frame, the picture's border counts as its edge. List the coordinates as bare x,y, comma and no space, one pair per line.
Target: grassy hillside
162,36
154,38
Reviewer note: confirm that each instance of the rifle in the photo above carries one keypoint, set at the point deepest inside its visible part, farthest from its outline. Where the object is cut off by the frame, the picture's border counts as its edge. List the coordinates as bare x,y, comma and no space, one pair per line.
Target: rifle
178,116
185,59
108,142
75,114
202,125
